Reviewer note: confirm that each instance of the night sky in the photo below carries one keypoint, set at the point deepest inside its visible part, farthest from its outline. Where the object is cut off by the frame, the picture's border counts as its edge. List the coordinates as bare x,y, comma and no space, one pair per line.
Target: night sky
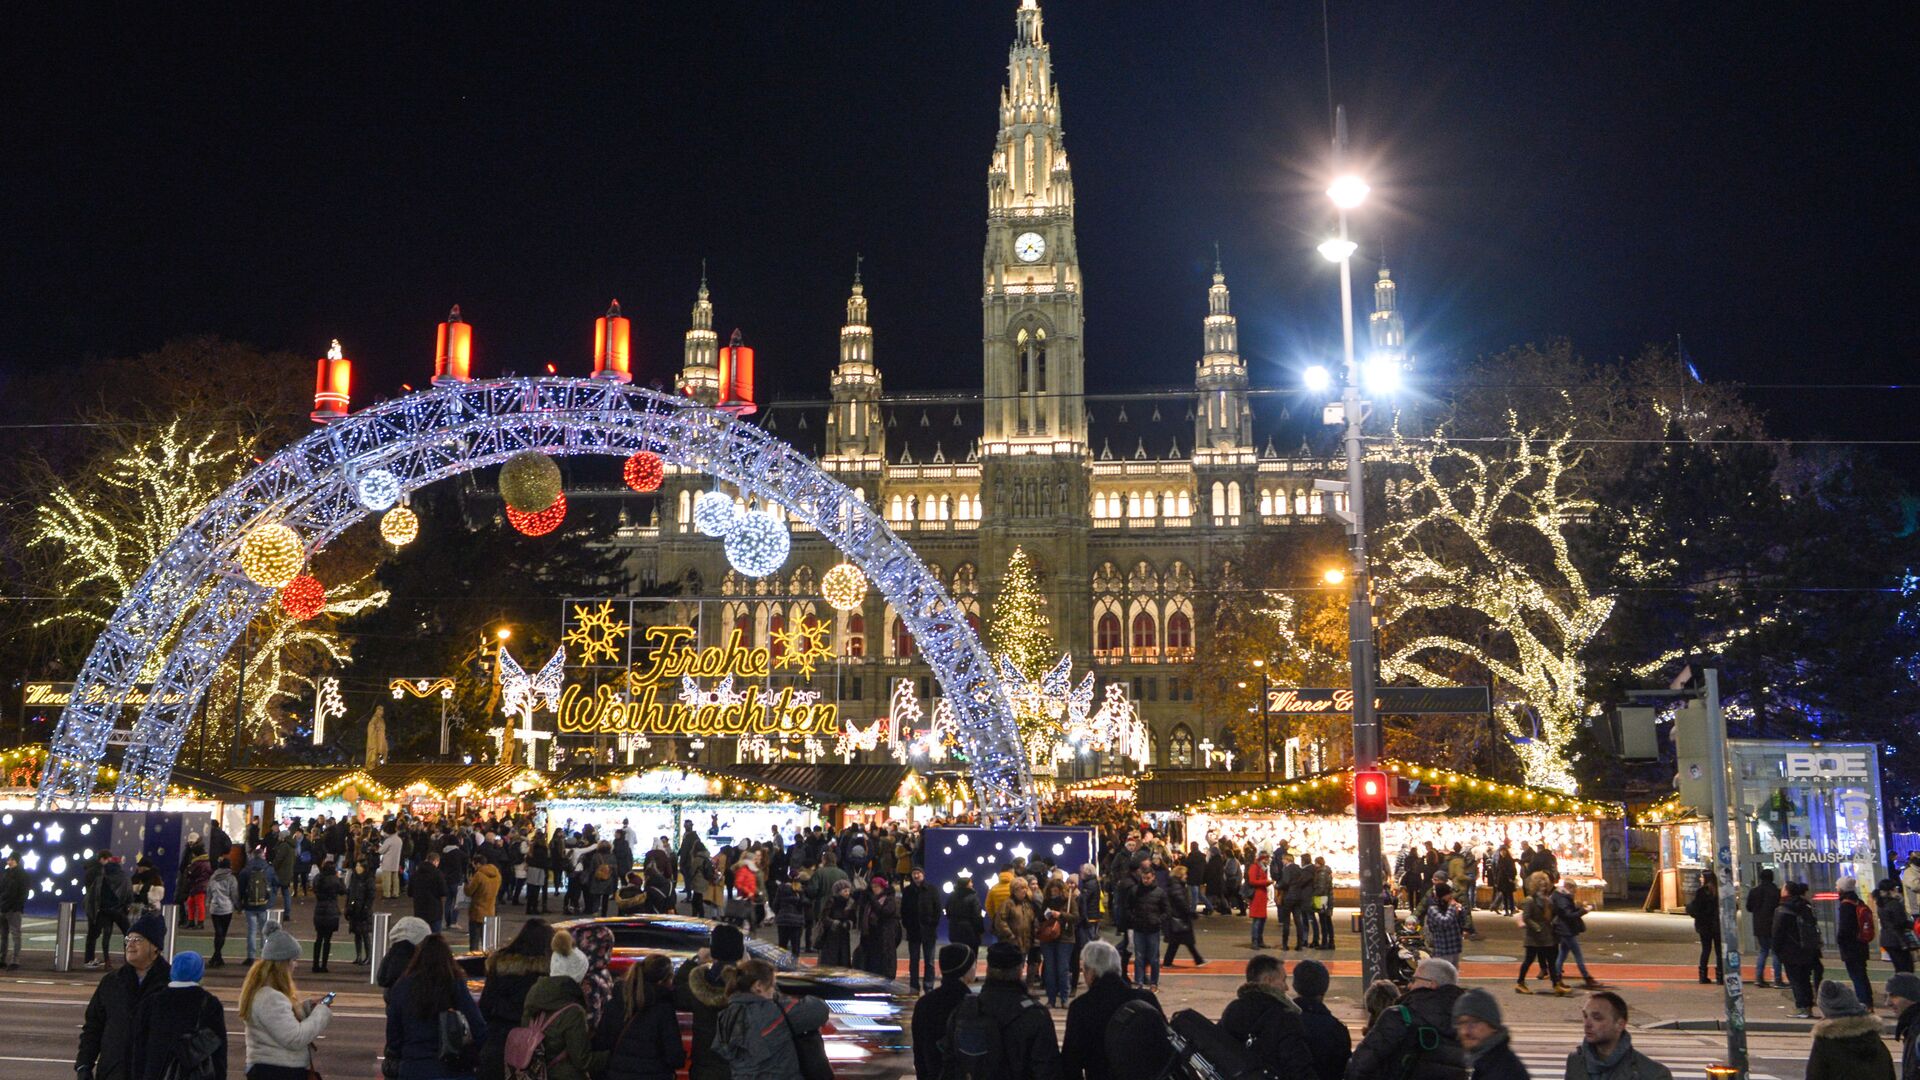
1616,173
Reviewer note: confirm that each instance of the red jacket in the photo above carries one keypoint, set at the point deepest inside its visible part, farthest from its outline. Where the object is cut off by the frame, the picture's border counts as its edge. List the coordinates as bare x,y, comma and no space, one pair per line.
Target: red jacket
1257,877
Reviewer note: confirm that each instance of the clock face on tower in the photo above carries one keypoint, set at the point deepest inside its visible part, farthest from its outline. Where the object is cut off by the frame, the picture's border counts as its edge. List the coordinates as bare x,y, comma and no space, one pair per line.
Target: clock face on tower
1029,246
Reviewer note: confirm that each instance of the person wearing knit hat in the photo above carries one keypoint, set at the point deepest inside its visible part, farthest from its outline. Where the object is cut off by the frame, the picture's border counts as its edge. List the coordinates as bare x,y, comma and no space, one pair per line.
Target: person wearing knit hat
107,1034
1847,1043
403,940
1428,1003
180,1009
280,946
1327,1037
1482,1032
1024,1026
935,1008
153,928
559,1000
1903,996
728,945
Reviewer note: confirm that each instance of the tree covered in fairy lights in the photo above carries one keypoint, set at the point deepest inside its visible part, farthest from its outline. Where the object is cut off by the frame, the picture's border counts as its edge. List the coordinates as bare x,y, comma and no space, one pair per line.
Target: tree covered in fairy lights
1018,629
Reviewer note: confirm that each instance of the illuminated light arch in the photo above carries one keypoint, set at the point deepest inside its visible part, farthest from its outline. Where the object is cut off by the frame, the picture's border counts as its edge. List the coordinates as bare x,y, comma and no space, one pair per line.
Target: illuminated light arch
195,602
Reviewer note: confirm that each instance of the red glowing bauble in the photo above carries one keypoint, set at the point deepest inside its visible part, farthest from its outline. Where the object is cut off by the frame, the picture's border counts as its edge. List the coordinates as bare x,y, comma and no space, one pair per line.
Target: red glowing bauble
540,522
303,597
644,471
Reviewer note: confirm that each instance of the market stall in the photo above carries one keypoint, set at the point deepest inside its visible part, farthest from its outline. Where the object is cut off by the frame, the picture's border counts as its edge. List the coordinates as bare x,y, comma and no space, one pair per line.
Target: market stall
1313,814
20,784
656,800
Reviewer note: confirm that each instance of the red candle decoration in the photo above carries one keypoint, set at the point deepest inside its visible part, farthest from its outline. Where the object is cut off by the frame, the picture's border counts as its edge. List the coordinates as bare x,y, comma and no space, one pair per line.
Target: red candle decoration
644,471
612,337
453,351
304,597
539,522
332,386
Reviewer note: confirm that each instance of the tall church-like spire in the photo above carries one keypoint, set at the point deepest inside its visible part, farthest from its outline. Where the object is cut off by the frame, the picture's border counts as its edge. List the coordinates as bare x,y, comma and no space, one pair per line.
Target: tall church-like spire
853,422
1225,420
1386,329
700,369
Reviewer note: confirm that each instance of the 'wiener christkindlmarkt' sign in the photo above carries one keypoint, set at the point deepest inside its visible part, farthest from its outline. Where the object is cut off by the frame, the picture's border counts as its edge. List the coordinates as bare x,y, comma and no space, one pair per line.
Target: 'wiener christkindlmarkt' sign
663,696
1388,700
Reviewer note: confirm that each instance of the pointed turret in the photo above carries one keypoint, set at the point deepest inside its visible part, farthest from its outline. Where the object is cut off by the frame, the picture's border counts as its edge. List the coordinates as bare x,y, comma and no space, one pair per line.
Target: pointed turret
700,372
853,423
1386,330
1225,420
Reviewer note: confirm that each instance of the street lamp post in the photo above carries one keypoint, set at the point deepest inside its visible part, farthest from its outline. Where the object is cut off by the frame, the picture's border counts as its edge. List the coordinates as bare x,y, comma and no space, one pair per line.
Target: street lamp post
1348,192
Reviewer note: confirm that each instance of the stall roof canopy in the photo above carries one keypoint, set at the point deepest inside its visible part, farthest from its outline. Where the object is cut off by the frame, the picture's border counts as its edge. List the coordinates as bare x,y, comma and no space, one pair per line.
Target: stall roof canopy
310,781
1166,790
1219,792
856,785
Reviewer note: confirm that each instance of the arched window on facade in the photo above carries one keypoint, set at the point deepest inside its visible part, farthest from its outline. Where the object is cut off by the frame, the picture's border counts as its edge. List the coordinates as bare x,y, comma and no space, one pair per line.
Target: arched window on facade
1145,635
1040,362
1179,634
685,517
1219,507
1180,747
902,639
776,626
1106,636
1233,498
1023,358
743,625
854,645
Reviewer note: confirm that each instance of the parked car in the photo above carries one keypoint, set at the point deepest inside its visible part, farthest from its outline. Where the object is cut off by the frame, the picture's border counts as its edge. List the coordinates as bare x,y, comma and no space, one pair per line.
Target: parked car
867,1035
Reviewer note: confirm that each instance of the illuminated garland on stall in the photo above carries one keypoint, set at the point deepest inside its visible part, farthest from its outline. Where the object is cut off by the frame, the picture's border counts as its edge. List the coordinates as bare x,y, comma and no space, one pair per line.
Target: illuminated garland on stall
1332,793
718,787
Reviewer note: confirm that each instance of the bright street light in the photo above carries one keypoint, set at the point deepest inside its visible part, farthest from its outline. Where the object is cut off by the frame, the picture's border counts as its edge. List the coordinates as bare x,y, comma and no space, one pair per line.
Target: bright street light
1348,192
1316,379
1333,575
503,633
1338,249
1382,374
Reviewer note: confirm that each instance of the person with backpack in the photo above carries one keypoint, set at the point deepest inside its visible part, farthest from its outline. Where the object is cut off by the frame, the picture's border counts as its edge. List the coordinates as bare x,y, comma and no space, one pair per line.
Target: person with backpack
1002,1033
1762,901
180,1031
434,1027
109,898
555,1039
286,868
1413,1039
700,989
1896,926
1328,1039
1536,924
931,1012
1705,909
1482,1032
1796,941
107,1029
257,884
1261,1018
511,972
647,1046
1569,922
281,1026
1856,932
759,1033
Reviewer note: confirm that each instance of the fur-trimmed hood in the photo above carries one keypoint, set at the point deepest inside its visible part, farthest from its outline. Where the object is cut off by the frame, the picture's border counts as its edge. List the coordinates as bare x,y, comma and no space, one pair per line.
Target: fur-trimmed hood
705,992
1262,992
1847,1027
508,964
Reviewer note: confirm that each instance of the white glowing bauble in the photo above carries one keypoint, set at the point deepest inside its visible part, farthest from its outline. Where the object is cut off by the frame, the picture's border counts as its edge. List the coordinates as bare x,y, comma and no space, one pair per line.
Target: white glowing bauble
379,490
714,513
758,544
844,587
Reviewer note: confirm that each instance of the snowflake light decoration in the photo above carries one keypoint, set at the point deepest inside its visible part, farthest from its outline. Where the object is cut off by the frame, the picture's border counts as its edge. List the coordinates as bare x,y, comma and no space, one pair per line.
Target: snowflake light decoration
327,705
803,647
844,587
759,544
714,513
379,489
596,631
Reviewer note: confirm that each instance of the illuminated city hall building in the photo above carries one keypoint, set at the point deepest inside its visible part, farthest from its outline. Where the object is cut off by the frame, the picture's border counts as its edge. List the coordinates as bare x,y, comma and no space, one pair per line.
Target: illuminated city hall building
1130,506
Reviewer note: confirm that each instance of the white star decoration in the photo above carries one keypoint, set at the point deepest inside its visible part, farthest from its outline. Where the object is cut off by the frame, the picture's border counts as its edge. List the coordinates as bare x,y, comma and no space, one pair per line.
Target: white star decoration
1020,851
31,860
55,832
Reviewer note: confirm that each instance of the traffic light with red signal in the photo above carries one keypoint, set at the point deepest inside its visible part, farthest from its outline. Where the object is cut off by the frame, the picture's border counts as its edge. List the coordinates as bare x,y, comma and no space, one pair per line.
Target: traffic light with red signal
1370,798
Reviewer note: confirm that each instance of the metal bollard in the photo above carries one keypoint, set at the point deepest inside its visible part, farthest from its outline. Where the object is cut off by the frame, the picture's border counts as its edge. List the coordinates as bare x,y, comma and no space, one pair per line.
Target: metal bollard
381,921
490,933
171,914
63,937
273,919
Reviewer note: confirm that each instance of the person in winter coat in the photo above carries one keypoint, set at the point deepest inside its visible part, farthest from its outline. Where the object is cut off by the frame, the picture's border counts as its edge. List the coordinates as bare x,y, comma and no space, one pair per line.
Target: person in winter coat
700,989
1910,882
1847,1043
1903,995
880,929
432,985
1705,909
1856,933
1257,880
1147,910
1083,1051
1445,934
835,937
1014,921
1569,922
511,972
193,889
1606,1049
1536,922
920,922
965,926
1328,1039
1762,901
790,909
648,1044
403,939
1180,919
109,896
1428,1003
1261,1016
1027,1047
327,891
483,896
430,893
13,905
179,1010
107,1029
756,1031
1796,941
559,1001
362,895
281,1025
223,899
1482,1032
1896,925
931,1013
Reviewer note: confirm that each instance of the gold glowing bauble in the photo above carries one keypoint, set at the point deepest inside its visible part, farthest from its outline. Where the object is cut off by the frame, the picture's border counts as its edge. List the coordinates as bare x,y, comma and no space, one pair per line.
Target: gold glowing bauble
272,555
530,481
844,587
399,526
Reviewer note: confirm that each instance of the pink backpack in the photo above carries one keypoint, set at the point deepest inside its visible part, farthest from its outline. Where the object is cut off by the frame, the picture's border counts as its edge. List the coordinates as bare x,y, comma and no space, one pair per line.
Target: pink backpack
526,1053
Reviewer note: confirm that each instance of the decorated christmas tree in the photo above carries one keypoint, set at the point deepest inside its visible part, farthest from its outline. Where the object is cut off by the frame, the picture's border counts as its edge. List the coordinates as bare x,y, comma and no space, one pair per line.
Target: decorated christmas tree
1019,629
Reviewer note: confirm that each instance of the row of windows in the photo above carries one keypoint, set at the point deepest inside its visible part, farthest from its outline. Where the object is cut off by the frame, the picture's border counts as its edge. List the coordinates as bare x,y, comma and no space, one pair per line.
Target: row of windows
1144,637
933,508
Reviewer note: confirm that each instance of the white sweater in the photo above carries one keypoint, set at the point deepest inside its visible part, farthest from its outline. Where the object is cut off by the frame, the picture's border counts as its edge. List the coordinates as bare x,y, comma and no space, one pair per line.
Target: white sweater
276,1037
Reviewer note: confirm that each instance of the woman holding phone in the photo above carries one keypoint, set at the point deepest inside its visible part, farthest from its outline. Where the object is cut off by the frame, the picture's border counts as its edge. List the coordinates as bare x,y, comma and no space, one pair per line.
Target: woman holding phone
281,1027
